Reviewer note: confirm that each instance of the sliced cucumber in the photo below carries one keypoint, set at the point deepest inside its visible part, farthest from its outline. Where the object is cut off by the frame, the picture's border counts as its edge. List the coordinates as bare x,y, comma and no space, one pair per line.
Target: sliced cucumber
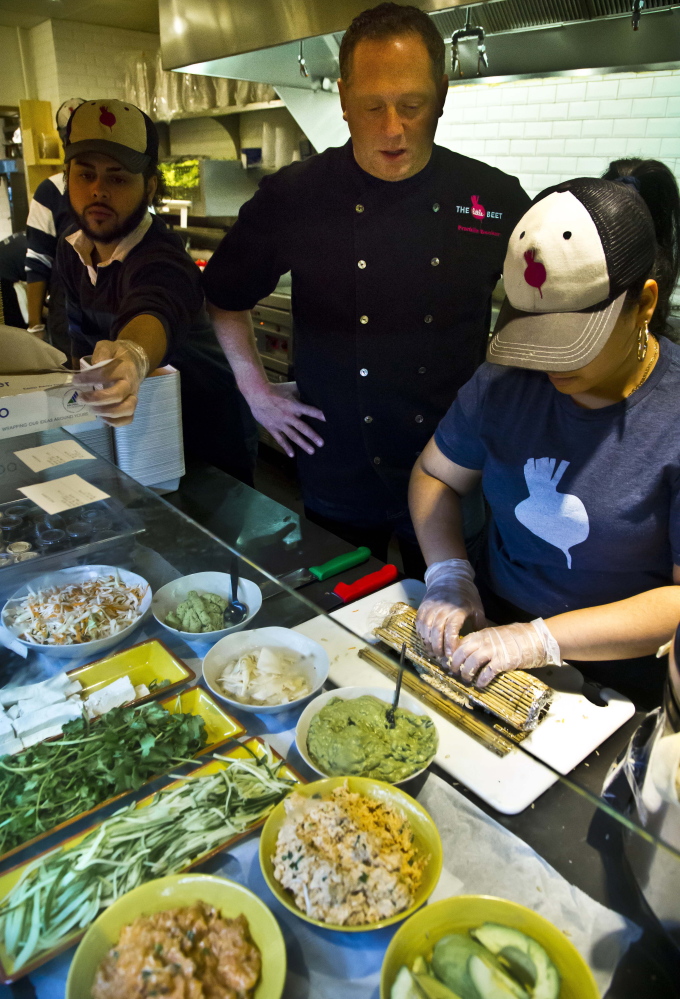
492,982
519,965
450,963
434,989
406,987
503,941
420,966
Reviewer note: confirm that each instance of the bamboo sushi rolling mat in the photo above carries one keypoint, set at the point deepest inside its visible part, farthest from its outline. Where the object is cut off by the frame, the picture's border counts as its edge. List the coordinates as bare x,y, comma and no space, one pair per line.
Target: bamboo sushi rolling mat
519,699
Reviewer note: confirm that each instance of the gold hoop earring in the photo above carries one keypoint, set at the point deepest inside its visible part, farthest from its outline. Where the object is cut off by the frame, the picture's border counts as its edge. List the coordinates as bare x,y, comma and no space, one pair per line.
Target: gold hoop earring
642,341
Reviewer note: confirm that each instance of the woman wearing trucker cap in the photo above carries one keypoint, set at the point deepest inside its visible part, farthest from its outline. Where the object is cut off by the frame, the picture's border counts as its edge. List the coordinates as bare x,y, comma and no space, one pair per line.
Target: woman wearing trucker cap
574,429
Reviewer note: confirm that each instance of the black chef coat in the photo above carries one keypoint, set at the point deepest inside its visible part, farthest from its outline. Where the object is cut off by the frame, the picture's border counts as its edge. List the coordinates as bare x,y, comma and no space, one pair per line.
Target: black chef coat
391,302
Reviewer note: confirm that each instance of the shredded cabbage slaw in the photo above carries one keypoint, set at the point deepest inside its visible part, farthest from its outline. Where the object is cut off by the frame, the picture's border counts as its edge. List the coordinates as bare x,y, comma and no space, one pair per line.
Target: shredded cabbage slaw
78,612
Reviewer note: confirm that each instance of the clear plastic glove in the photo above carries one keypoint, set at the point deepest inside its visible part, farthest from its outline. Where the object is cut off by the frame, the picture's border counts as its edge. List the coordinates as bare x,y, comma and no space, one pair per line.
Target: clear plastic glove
116,402
482,655
450,600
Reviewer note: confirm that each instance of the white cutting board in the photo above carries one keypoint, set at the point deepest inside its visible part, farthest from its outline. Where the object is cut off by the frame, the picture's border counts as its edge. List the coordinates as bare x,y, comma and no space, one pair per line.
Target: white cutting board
572,729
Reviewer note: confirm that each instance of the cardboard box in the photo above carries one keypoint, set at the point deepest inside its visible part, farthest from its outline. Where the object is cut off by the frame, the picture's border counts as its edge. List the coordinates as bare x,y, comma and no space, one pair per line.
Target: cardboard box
34,393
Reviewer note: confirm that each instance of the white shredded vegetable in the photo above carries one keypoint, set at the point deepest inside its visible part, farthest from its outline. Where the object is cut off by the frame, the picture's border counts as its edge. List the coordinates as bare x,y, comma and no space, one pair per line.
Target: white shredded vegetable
265,676
79,612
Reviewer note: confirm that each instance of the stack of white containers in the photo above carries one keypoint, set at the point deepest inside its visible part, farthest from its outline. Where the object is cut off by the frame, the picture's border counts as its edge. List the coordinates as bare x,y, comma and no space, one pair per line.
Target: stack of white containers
96,435
150,448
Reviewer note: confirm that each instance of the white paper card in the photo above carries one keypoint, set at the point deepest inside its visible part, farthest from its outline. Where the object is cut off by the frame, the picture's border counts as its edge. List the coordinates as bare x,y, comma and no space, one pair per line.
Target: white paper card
51,455
63,494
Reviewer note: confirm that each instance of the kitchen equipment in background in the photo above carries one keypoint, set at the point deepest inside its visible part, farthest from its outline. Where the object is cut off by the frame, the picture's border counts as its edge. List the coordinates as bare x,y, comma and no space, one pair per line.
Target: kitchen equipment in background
251,157
172,204
273,325
468,51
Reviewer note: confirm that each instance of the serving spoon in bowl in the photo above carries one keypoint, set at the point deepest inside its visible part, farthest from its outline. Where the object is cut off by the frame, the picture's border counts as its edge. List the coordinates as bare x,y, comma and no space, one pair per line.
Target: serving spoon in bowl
235,612
389,714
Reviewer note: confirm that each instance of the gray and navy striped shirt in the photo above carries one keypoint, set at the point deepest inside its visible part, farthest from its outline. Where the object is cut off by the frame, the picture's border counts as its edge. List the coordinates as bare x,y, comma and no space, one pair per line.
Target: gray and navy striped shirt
48,217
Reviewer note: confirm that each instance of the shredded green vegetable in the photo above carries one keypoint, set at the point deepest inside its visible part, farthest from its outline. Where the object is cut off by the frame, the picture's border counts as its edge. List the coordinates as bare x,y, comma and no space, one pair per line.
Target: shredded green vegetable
64,890
52,782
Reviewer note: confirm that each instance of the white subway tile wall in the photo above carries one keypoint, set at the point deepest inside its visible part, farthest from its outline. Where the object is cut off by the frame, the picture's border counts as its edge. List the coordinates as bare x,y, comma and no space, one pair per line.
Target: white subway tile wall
90,58
548,130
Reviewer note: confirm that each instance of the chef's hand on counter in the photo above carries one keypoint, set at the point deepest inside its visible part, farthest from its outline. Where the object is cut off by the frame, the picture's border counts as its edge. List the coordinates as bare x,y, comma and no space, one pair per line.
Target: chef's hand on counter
450,600
482,655
116,402
279,410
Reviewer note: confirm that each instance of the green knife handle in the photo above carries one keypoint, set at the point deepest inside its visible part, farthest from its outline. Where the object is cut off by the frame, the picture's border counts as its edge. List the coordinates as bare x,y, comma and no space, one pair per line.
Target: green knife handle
340,564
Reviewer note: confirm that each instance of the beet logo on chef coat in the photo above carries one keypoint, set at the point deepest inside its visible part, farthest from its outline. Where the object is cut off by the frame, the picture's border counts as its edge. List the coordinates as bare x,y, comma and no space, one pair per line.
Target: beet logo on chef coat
479,211
107,118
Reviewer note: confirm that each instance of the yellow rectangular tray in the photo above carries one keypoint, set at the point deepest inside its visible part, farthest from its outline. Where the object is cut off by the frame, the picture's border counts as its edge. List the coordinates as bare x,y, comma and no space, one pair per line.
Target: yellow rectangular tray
8,880
142,663
221,728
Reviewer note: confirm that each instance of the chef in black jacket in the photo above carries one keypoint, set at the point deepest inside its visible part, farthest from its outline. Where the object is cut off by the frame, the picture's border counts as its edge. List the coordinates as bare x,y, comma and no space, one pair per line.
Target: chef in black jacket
395,245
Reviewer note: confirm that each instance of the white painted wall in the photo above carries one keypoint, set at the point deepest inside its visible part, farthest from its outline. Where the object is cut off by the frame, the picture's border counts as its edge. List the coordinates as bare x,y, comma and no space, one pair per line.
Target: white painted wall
12,89
90,58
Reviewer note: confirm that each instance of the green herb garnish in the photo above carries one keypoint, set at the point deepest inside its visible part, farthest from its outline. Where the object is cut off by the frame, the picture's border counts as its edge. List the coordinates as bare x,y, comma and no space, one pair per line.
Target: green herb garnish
52,782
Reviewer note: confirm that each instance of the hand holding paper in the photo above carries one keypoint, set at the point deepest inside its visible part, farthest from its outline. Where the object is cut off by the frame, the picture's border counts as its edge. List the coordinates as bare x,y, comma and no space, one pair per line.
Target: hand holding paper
123,367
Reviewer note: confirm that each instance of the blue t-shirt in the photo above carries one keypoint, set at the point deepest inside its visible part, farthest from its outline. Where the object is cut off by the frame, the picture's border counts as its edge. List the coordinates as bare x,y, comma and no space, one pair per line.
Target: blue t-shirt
585,502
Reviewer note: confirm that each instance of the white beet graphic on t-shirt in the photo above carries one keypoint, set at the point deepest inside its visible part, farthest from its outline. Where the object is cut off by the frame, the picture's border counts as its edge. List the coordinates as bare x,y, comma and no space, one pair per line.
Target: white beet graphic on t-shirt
558,518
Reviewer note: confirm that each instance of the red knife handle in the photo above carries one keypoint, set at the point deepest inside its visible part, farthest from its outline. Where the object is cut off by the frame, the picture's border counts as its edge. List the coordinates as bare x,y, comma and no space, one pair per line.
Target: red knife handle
367,584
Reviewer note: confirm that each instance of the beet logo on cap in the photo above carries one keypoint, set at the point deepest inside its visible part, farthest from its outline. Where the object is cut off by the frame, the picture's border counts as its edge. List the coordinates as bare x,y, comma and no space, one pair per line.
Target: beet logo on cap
107,118
535,273
479,211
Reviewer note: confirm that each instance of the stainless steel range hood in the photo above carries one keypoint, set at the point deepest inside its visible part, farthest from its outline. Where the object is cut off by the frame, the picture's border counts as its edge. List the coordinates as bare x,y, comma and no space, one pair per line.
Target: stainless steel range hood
259,39
194,31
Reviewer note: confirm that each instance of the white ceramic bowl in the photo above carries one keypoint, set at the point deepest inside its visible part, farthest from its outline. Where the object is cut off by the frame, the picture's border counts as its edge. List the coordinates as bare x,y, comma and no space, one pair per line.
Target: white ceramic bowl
172,594
315,666
348,694
63,577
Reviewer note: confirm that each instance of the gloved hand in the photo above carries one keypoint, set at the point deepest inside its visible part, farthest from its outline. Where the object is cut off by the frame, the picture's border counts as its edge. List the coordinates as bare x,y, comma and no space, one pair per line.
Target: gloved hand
482,655
451,598
116,402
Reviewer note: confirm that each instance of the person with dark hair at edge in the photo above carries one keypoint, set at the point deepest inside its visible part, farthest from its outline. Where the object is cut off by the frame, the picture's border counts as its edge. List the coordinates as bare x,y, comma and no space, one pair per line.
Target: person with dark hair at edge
573,428
133,295
658,186
48,218
394,245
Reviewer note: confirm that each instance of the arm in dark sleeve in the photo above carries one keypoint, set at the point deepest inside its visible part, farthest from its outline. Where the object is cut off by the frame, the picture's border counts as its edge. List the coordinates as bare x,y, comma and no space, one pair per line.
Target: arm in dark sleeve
251,258
166,284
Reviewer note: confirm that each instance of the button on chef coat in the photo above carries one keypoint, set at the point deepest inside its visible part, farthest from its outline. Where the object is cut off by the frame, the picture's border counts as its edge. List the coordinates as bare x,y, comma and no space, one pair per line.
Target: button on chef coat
394,339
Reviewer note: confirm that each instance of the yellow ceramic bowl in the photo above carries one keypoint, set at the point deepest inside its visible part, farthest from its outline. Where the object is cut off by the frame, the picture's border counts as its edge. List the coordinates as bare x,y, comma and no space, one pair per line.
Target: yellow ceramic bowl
425,832
464,912
230,898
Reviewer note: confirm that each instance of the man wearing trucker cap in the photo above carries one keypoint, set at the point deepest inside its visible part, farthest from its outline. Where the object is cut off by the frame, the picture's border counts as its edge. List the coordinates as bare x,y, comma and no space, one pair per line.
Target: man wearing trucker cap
133,294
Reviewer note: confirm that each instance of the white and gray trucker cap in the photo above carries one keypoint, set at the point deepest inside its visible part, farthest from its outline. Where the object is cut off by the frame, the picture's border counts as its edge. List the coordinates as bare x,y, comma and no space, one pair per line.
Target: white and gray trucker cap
570,261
